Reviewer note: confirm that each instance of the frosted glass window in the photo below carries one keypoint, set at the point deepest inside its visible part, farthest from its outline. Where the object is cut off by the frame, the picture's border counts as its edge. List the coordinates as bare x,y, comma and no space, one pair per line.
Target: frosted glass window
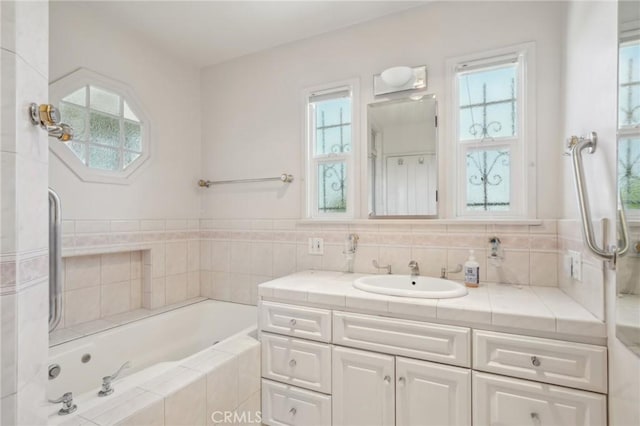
108,135
79,97
105,101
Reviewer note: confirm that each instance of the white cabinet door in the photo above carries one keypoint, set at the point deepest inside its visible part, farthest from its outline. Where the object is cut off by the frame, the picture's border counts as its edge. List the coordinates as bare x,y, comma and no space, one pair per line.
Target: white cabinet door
432,394
363,388
504,401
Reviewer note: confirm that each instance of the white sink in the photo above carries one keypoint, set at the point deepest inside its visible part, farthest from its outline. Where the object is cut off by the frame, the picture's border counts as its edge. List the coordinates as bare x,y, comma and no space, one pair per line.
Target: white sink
408,286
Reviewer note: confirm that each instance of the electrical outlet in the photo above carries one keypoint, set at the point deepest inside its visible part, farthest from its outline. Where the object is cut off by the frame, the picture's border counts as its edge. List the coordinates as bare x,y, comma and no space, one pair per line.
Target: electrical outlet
576,265
567,265
316,246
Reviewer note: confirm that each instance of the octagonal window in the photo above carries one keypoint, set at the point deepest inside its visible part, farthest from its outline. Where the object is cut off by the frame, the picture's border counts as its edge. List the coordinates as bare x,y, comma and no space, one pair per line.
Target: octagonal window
110,133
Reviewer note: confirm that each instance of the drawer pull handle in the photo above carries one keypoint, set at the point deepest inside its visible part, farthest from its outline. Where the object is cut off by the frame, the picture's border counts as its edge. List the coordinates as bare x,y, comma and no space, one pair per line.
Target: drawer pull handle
536,363
293,411
292,363
293,322
401,381
535,418
387,379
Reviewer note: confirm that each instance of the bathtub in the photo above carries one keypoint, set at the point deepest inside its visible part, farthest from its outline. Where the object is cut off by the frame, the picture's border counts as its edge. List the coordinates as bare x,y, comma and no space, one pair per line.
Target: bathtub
153,346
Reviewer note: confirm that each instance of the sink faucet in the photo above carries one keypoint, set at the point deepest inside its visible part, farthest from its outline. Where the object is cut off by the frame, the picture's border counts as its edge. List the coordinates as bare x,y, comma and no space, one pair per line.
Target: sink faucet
378,266
68,405
415,269
444,271
107,380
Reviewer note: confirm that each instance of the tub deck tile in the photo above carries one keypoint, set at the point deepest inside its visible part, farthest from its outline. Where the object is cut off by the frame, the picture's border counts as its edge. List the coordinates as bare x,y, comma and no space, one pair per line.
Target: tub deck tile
206,360
171,381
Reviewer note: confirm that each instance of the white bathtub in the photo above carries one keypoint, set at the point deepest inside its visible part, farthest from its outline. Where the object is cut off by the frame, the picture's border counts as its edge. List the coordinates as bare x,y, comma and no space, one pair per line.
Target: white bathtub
152,345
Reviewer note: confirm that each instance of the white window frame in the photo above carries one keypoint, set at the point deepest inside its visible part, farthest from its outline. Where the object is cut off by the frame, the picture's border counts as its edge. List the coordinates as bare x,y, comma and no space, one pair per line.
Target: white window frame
629,34
312,161
83,77
522,147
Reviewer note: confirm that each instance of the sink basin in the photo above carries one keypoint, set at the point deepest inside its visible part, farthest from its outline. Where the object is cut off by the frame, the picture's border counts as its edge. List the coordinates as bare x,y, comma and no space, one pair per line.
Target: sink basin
408,286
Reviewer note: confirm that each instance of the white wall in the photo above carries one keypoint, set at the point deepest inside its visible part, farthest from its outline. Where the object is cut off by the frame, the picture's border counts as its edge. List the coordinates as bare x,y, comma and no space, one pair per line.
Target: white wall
169,91
253,107
590,76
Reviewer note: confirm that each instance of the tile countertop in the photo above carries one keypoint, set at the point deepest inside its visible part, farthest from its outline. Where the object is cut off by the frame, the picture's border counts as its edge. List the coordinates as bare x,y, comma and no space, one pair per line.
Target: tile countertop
540,311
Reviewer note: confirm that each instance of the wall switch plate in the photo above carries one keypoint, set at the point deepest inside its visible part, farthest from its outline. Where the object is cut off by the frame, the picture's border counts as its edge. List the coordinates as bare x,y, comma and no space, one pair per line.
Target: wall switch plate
567,265
316,246
576,265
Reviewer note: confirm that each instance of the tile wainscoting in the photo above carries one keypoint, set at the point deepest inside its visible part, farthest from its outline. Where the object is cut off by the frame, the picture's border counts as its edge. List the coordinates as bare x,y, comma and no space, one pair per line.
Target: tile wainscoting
227,259
237,255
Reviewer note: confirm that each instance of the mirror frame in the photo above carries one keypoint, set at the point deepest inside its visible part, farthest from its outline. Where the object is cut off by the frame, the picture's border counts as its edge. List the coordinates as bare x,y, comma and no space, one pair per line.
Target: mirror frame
370,184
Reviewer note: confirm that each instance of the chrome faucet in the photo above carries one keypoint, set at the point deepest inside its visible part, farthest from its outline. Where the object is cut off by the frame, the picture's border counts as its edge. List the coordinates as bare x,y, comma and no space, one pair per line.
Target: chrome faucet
107,389
415,269
378,266
444,271
68,406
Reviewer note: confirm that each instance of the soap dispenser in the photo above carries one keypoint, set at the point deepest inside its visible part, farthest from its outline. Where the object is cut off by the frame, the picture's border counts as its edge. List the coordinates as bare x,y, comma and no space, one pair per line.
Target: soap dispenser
471,271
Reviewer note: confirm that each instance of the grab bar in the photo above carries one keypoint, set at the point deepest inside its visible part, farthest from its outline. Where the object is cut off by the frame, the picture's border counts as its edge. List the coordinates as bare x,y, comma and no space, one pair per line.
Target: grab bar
284,177
55,260
576,146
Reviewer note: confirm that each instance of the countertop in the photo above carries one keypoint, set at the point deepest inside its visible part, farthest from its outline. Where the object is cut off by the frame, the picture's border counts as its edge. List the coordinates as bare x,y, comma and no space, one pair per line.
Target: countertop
543,311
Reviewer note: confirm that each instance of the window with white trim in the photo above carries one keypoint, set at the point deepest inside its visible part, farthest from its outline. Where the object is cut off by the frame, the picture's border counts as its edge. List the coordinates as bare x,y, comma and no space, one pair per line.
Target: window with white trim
330,152
491,141
111,132
629,123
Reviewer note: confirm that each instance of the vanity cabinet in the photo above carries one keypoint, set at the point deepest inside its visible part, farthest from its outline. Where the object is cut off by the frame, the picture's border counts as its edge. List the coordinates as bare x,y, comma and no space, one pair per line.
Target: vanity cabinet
499,400
375,389
340,368
363,388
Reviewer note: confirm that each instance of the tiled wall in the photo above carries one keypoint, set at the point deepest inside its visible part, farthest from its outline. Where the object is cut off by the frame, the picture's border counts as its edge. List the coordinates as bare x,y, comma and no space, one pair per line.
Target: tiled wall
589,292
114,266
238,255
98,286
23,214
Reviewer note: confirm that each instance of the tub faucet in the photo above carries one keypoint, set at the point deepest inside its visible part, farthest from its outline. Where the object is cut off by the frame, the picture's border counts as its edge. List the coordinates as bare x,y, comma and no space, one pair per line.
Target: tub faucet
415,269
107,380
68,406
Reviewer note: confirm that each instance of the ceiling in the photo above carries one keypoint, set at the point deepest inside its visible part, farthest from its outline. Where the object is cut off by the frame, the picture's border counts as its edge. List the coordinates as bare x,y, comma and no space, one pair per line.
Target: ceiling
210,32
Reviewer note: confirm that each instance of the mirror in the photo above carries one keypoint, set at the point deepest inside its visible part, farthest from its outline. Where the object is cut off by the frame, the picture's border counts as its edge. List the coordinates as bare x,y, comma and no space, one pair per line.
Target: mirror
628,266
402,158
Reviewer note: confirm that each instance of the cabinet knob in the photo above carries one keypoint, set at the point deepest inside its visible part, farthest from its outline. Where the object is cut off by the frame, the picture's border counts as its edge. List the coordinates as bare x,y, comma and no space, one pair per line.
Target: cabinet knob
292,363
387,379
401,381
535,418
293,322
536,362
293,411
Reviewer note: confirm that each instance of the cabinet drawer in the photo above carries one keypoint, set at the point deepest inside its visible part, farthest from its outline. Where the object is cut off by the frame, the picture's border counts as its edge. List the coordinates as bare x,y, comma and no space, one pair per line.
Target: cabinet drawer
287,405
499,400
297,362
296,321
431,342
545,360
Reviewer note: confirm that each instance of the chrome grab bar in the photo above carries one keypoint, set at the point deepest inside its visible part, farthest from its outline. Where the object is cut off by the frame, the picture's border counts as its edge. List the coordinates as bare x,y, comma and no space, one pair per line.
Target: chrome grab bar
55,260
284,177
576,146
